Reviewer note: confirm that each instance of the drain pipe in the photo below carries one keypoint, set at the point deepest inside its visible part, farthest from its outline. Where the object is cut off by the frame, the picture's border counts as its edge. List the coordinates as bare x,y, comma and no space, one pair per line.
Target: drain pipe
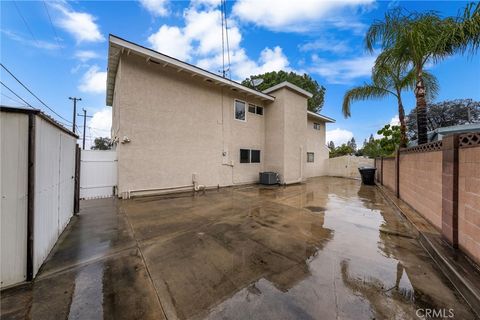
197,187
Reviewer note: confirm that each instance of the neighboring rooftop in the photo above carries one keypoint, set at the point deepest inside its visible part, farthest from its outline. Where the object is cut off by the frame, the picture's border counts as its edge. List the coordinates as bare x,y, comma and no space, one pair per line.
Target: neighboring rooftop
438,133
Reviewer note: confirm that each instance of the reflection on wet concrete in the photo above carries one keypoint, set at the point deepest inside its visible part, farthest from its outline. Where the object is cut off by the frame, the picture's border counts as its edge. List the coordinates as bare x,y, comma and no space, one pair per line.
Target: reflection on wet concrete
326,249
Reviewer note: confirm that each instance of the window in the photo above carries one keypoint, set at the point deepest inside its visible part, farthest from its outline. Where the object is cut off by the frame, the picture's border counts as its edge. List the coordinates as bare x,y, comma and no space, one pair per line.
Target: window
310,157
259,110
255,156
249,156
251,108
316,126
244,156
240,110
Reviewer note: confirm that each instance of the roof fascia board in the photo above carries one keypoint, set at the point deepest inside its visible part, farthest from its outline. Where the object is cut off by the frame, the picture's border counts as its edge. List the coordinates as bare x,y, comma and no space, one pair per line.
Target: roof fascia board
185,66
321,117
290,86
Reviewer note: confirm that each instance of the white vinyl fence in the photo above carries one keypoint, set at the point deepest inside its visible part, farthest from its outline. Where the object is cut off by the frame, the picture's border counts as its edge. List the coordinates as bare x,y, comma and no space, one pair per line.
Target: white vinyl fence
98,174
347,166
37,201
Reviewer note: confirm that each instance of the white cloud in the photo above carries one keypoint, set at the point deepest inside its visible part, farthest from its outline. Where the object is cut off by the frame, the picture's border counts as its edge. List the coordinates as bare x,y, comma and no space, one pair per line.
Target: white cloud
338,136
171,41
40,44
343,71
287,15
155,7
80,24
93,81
99,126
326,44
395,121
200,42
85,55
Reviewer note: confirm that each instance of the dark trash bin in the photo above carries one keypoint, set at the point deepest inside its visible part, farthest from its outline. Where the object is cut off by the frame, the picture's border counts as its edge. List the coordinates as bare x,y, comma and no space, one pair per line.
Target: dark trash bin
368,175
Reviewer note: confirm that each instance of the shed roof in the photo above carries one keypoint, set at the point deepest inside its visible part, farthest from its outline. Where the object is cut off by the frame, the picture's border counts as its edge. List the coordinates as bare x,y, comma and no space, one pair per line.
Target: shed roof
39,113
118,45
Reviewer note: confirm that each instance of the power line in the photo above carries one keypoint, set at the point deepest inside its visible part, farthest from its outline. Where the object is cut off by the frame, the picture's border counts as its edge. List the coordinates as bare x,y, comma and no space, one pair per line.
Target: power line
25,22
23,85
28,104
51,24
10,98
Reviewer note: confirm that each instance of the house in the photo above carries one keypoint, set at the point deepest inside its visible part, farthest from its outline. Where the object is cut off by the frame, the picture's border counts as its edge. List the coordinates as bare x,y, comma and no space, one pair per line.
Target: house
439,133
176,125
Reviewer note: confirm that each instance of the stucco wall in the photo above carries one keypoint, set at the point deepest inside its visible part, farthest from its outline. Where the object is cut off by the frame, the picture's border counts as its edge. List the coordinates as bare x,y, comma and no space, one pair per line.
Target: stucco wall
295,132
347,166
469,202
178,126
389,173
421,184
315,142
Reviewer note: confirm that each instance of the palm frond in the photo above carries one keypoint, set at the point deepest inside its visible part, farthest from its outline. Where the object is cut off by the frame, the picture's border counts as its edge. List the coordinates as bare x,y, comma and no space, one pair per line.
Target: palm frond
365,92
431,85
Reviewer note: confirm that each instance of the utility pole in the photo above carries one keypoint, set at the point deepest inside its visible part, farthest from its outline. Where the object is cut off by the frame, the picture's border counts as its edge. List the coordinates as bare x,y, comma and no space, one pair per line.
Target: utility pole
84,115
74,110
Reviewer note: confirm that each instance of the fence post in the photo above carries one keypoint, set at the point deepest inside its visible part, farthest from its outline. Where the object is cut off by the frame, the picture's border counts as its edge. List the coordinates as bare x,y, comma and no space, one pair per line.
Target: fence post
450,188
381,170
397,172
76,200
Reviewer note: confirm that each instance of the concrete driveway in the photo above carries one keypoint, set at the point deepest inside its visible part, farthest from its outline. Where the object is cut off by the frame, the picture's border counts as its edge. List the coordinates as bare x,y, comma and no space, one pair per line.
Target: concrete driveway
327,249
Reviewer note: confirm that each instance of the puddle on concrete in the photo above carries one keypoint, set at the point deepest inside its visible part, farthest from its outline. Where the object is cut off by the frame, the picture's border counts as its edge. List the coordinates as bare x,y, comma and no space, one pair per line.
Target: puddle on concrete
327,249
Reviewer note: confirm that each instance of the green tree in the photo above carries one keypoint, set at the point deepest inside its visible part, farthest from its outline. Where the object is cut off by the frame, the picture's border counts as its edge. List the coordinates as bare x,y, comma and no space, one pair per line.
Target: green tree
417,39
388,79
331,145
352,144
342,150
444,114
304,81
101,143
386,145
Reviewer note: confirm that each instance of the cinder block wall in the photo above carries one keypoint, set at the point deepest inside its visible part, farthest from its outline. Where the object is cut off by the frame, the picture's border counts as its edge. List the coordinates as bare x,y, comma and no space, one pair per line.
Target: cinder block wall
389,173
441,181
469,201
421,184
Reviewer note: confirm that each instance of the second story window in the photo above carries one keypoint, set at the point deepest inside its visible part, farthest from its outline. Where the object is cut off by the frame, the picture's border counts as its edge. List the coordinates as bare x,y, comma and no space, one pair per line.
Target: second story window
251,108
240,110
259,110
316,126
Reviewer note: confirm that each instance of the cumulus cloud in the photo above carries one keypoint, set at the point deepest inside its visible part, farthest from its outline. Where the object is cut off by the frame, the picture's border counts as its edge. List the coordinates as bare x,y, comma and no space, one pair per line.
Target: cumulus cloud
287,15
395,121
93,81
79,24
155,7
338,136
85,55
171,41
200,42
99,125
342,71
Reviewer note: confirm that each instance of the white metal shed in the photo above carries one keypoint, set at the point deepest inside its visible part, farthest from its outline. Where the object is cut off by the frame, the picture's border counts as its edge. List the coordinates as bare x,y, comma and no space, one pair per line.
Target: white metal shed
39,178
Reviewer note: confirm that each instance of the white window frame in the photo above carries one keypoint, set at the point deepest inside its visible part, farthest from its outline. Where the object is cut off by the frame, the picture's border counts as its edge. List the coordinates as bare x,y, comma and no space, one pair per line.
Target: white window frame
234,109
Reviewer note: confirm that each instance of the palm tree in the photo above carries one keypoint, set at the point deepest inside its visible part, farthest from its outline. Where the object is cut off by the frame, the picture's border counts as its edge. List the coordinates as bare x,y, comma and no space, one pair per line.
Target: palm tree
388,79
422,38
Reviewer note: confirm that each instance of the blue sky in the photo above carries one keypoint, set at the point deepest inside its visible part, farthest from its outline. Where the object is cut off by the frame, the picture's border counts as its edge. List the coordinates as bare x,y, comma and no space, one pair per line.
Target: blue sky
59,49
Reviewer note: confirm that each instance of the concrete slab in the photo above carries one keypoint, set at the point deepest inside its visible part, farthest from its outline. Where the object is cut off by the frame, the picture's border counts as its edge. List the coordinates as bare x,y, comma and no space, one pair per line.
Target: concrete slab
326,249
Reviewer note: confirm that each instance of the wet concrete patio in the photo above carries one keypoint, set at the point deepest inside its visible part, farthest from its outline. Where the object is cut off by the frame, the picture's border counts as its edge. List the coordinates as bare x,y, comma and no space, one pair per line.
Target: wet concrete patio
327,249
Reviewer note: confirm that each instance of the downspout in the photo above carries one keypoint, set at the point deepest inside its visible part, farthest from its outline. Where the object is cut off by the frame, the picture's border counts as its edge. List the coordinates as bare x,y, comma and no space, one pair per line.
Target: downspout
30,195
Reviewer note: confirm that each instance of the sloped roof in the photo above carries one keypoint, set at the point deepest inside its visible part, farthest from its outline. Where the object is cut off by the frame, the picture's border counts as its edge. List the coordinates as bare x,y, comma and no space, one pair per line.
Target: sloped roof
118,45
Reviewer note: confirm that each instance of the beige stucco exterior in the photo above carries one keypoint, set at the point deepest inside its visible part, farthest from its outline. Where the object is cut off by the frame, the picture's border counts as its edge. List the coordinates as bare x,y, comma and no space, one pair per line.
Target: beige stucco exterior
171,127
